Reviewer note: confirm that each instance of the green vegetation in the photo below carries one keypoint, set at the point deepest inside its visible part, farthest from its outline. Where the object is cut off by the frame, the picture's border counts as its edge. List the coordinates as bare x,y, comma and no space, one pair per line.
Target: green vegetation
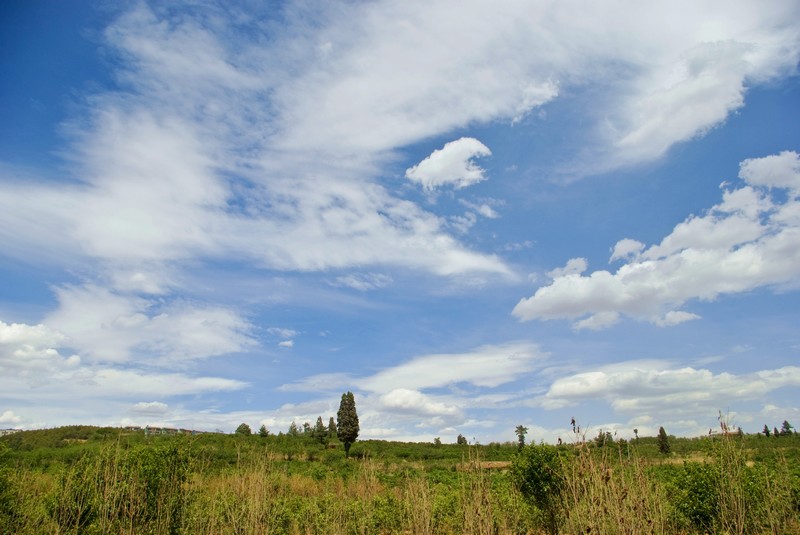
663,441
104,480
347,422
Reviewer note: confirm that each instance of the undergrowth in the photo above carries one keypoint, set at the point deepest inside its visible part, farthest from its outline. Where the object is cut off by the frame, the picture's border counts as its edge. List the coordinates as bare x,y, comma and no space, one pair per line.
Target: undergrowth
178,485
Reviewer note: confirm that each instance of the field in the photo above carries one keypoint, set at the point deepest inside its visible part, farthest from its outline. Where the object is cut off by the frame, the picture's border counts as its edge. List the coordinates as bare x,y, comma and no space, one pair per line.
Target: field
106,480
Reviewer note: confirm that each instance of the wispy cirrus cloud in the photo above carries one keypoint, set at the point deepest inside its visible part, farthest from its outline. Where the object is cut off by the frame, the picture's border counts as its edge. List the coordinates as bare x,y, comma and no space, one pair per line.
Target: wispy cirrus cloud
33,365
273,144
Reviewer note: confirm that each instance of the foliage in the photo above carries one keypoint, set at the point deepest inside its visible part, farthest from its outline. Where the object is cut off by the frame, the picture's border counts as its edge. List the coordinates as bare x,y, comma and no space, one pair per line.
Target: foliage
521,431
663,441
604,439
347,422
331,428
786,428
461,440
320,432
262,431
6,507
244,429
538,474
125,482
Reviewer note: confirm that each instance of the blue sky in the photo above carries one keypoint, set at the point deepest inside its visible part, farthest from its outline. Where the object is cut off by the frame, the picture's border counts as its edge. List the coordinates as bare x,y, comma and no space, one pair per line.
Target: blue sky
471,216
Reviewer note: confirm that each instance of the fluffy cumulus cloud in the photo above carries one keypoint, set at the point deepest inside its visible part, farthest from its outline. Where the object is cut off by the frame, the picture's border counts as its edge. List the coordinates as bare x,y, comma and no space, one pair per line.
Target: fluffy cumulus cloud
451,165
8,417
659,388
749,240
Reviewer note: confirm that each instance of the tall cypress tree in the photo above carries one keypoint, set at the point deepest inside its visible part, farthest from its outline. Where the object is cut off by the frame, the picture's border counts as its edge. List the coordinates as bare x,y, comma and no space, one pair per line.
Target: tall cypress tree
347,422
663,441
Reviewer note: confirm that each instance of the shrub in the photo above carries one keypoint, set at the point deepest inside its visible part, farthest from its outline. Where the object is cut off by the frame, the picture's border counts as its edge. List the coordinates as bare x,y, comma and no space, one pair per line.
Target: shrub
6,505
538,473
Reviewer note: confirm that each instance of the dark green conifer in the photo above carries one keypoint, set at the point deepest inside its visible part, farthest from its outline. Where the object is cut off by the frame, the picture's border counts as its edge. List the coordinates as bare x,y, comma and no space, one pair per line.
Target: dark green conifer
347,422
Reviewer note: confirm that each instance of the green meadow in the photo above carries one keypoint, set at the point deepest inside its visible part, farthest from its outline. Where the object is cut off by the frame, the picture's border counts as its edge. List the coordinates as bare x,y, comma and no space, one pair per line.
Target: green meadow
91,480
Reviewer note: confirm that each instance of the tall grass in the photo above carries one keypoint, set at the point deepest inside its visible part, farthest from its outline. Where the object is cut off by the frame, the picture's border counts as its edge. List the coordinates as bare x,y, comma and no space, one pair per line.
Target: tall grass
174,486
609,493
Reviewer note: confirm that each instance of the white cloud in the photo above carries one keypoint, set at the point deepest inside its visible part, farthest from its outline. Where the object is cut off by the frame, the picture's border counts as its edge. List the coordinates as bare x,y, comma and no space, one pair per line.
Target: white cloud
413,401
150,408
226,148
750,240
675,317
450,165
668,73
364,282
596,322
269,153
282,332
182,168
20,334
626,249
8,417
462,223
286,344
484,209
776,171
30,361
486,366
112,327
575,266
650,388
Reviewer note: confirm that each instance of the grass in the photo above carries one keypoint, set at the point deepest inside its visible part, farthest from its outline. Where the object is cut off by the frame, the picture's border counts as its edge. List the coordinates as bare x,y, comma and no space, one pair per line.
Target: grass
125,483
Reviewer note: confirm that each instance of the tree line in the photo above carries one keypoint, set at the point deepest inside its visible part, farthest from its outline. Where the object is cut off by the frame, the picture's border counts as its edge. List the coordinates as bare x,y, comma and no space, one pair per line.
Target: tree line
345,428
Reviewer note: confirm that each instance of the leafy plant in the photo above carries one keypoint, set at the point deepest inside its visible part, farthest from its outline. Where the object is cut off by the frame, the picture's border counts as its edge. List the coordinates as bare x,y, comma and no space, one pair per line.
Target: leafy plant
538,474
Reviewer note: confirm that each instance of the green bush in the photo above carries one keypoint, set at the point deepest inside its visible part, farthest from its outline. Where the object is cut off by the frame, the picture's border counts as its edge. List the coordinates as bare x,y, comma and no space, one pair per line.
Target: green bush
6,503
538,473
694,495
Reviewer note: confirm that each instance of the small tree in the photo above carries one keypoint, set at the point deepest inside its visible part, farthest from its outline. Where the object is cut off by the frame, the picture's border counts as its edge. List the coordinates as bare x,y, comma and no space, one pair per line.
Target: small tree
786,428
461,439
520,432
766,431
603,439
538,473
663,441
347,422
331,428
320,432
293,430
244,429
775,432
437,441
262,431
